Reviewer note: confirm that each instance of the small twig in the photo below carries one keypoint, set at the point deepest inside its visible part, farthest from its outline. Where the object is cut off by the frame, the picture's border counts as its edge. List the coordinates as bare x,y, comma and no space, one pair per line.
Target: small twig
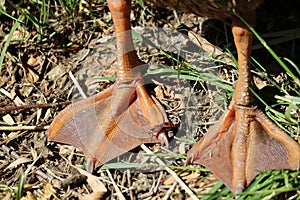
119,193
77,85
129,184
31,165
170,171
158,182
43,175
18,134
10,152
26,107
169,192
23,128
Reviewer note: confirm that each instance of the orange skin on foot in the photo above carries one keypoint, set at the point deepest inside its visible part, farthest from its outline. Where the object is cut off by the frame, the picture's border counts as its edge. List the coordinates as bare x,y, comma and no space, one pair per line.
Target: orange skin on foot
243,143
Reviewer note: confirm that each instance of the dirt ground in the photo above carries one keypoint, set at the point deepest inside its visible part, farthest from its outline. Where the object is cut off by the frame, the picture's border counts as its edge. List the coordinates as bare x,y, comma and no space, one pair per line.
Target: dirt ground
35,85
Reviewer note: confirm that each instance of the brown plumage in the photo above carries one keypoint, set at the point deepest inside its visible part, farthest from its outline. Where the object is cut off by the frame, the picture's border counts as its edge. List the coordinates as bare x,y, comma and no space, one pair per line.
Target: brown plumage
211,8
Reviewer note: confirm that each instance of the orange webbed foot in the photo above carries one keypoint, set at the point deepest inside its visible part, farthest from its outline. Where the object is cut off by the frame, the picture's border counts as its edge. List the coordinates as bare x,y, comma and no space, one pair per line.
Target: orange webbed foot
110,123
242,144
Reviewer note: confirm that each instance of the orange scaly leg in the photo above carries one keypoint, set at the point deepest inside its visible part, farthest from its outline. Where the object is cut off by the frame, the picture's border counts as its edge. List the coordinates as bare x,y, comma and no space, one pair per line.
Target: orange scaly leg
118,119
244,142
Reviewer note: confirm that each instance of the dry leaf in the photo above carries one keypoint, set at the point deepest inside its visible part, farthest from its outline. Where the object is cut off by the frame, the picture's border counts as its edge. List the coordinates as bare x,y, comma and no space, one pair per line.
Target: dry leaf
93,181
26,90
31,76
170,180
56,72
29,196
32,61
47,114
188,177
7,196
259,82
8,119
182,148
12,135
49,191
93,196
17,162
39,114
18,101
97,186
5,92
159,92
192,176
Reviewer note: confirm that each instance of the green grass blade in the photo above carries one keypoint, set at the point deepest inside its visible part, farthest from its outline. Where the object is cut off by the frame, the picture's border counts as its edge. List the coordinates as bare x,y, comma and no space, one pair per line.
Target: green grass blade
120,165
293,65
22,182
10,35
2,12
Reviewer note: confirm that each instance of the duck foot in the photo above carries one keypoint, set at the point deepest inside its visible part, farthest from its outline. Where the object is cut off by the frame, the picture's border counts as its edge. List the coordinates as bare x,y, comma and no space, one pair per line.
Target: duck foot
242,144
110,123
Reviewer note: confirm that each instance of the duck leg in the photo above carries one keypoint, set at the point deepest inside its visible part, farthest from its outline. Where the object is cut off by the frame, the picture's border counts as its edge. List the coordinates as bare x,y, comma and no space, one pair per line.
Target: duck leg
244,142
118,119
